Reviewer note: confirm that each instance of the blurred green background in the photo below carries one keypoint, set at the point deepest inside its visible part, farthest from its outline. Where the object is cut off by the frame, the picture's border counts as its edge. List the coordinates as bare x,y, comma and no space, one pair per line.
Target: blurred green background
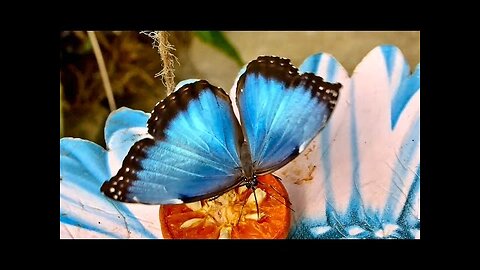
131,63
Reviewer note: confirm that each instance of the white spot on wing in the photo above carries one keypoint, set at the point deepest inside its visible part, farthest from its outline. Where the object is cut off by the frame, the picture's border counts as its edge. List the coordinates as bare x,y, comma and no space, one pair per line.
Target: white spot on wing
302,147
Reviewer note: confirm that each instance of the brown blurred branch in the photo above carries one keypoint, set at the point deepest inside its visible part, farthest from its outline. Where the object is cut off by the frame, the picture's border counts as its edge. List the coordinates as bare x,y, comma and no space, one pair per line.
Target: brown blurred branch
103,70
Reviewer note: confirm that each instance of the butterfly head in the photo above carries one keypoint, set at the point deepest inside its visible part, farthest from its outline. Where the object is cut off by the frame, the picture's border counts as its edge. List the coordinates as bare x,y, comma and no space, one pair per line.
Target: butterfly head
251,182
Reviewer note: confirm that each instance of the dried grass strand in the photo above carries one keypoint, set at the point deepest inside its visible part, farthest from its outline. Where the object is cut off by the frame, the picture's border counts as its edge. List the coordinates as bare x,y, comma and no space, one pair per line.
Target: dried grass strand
103,70
165,49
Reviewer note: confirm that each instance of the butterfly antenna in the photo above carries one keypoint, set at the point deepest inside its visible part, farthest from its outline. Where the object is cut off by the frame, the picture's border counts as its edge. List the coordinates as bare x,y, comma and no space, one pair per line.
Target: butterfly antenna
241,211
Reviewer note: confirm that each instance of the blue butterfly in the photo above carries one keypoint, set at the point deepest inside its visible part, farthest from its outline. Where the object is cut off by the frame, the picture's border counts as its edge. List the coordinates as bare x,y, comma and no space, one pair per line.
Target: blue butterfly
199,150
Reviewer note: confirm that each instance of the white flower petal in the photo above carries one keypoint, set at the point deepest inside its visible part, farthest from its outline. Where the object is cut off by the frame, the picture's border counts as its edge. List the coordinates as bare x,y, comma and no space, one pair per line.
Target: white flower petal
123,128
84,211
362,166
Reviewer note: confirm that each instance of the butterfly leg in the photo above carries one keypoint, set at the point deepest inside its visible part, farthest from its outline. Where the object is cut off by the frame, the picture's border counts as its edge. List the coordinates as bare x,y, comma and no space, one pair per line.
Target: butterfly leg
279,179
241,211
256,202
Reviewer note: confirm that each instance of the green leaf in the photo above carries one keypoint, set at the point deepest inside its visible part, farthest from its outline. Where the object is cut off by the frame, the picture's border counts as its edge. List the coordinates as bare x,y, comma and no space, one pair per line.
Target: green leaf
86,47
218,40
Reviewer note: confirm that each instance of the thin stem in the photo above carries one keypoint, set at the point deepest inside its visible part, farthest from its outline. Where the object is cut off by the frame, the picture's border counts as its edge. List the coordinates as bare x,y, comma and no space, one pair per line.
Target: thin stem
103,70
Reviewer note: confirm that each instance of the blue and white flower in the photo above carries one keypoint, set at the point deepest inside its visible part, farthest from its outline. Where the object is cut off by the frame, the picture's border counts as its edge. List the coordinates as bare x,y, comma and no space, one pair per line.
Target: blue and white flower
360,178
362,172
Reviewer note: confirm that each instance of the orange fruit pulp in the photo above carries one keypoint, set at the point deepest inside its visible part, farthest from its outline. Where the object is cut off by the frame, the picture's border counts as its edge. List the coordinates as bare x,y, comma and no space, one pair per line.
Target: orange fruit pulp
225,218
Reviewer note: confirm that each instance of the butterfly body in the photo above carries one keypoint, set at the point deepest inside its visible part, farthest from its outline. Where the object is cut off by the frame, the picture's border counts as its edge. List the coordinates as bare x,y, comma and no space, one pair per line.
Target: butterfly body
198,149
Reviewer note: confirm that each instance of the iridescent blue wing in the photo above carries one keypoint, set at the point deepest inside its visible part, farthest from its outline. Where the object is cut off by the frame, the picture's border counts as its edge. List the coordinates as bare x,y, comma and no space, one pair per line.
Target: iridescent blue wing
281,111
192,153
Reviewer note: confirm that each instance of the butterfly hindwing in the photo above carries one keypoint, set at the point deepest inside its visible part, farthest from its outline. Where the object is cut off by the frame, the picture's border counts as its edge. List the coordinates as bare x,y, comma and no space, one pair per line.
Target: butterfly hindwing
281,110
192,153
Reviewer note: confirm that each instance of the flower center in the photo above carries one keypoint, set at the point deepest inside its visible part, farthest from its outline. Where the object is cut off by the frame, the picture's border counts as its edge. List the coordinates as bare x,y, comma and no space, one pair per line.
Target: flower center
231,208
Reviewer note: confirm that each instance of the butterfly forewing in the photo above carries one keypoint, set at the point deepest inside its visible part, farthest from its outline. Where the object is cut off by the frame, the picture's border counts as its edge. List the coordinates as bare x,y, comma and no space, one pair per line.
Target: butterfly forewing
281,111
193,153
